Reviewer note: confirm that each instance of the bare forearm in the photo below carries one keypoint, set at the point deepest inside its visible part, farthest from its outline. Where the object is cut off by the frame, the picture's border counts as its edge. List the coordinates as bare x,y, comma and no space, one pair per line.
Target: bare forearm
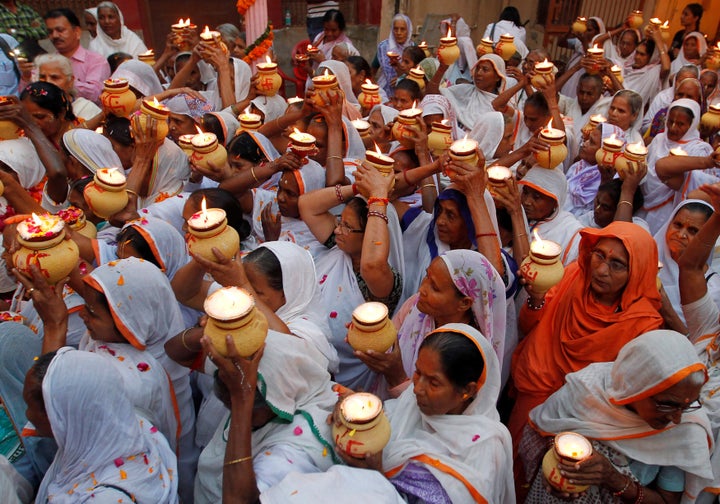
485,234
239,483
225,86
334,165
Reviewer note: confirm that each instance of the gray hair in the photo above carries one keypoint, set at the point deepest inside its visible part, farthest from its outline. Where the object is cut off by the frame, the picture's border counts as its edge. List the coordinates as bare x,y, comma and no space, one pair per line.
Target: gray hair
109,5
55,59
229,31
634,99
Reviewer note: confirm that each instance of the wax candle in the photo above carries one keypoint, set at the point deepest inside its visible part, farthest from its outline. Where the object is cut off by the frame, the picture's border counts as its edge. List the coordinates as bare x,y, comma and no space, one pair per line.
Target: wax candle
229,303
111,176
206,218
498,174
677,151
544,248
363,127
249,121
361,407
267,65
301,138
596,52
543,70
231,310
424,46
371,329
209,35
573,446
147,57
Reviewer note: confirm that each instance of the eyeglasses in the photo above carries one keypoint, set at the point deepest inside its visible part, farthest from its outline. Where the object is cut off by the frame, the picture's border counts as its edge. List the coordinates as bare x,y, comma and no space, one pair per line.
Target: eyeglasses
664,407
344,229
614,265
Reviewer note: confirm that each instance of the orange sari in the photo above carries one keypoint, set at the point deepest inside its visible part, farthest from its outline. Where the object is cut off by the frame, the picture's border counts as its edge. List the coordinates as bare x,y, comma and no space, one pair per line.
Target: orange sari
574,330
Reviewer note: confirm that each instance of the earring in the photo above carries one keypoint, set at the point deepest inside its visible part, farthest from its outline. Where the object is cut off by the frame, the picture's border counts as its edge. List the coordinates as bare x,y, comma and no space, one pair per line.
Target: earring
465,396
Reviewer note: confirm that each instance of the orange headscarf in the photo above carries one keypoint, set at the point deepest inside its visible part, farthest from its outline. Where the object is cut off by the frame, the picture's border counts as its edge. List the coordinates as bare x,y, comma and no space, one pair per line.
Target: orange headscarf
575,330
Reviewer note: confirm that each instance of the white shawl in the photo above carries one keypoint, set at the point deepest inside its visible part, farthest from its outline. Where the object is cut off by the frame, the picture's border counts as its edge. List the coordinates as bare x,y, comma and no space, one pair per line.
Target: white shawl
128,42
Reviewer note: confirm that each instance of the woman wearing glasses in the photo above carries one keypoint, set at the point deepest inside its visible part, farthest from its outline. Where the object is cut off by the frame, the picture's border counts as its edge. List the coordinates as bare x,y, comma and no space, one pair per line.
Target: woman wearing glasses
606,298
642,414
364,260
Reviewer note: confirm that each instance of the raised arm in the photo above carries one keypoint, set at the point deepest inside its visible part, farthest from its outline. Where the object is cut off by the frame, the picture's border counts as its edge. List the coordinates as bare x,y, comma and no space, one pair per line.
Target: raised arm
671,169
315,209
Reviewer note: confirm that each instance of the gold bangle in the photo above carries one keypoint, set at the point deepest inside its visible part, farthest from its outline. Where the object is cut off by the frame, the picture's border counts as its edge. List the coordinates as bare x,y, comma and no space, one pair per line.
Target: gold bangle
428,185
252,172
626,202
182,340
238,461
130,191
334,157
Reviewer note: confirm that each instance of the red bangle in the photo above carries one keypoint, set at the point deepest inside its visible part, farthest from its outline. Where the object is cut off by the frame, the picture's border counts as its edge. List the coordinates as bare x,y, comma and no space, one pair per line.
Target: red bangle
355,189
480,235
378,201
338,193
406,179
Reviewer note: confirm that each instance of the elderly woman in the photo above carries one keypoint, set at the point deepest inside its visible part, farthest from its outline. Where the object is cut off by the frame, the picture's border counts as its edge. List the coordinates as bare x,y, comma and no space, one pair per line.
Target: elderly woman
471,100
112,34
642,414
605,299
687,87
626,112
106,451
447,442
669,180
390,49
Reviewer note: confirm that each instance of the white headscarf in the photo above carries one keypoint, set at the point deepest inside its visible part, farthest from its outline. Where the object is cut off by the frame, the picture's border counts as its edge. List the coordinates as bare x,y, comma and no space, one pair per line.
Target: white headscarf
351,107
433,104
91,149
302,311
681,59
128,42
170,170
388,73
632,134
141,76
468,101
468,55
592,403
447,444
102,442
243,74
22,158
229,123
271,106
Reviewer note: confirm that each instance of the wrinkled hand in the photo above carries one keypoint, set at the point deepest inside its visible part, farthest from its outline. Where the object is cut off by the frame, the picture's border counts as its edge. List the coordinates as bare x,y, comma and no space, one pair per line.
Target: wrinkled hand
14,111
634,177
271,223
370,461
227,271
288,161
47,299
508,196
607,173
470,180
596,470
146,145
238,373
332,104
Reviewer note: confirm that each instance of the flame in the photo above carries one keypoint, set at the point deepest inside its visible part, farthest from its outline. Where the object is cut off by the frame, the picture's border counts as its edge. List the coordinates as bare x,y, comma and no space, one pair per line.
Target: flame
545,62
414,104
267,59
596,47
537,236
247,110
368,81
465,139
203,208
612,138
309,47
206,31
37,220
665,25
549,124
449,33
419,69
423,43
199,131
377,148
327,73
445,122
155,102
614,68
110,171
296,131
718,46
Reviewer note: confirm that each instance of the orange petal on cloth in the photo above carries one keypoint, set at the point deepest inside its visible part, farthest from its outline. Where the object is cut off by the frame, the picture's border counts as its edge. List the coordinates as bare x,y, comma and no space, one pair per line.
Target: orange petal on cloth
121,280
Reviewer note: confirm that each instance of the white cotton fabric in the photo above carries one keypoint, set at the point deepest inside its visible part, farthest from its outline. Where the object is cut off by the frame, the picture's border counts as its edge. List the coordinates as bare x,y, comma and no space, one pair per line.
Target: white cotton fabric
128,42
170,169
99,434
140,76
93,150
22,158
502,27
682,60
591,403
488,132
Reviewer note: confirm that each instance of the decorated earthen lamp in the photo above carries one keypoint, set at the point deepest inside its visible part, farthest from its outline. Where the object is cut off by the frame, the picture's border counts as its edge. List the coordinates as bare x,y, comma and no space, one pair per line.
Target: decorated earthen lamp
633,154
401,129
711,118
208,228
369,95
179,31
363,427
580,25
617,72
106,194
207,153
505,48
464,151
417,75
231,310
543,73
324,82
371,329
8,129
484,47
185,143
597,54
424,46
568,446
712,60
542,267
362,127
497,175
448,52
214,38
117,98
249,121
594,122
155,110
635,19
440,137
556,151
610,151
42,242
75,218
147,57
302,144
269,81
665,32
382,163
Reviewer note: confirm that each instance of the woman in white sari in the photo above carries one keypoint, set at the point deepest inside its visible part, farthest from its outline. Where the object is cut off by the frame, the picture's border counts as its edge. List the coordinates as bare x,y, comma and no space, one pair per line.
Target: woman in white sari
665,188
693,49
446,446
650,436
351,106
106,451
471,100
112,34
626,112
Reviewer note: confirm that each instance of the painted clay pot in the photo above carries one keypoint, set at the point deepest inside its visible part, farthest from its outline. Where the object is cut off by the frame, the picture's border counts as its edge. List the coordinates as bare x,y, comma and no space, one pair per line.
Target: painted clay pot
50,251
117,98
371,329
231,310
542,267
106,194
364,427
203,236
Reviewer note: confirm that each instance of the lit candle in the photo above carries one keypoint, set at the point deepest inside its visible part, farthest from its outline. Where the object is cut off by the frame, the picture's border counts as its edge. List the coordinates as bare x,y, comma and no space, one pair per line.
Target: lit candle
111,176
155,108
598,119
204,140
572,446
596,52
412,113
370,313
303,141
312,50
423,45
392,54
498,174
363,127
544,66
180,25
655,21
147,57
369,87
229,303
550,133
249,121
185,143
294,99
417,72
40,226
544,248
448,39
209,35
360,407
635,19
267,65
379,160
464,147
326,79
613,142
636,149
206,218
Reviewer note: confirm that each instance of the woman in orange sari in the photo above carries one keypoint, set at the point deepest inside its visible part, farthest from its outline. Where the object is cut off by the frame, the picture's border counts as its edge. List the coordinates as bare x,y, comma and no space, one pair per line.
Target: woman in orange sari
605,299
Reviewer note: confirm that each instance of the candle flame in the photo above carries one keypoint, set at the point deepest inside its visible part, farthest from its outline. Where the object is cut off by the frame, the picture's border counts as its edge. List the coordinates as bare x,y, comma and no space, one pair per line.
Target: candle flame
267,59
449,32
377,148
718,46
536,236
36,219
423,43
155,102
368,81
309,47
636,145
199,131
296,131
614,68
545,62
206,31
445,122
549,124
414,104
612,138
203,208
595,46
327,73
665,25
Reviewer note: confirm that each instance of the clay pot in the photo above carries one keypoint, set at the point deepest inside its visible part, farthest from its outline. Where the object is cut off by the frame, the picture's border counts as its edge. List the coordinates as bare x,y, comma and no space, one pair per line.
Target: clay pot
505,48
580,25
382,163
231,310
711,118
8,129
543,73
553,457
371,329
635,19
207,151
2,188
628,161
369,96
269,81
609,152
448,52
593,123
147,57
327,82
54,255
543,269
103,198
400,131
75,218
485,47
557,151
439,138
157,111
418,76
219,235
363,428
117,98
185,143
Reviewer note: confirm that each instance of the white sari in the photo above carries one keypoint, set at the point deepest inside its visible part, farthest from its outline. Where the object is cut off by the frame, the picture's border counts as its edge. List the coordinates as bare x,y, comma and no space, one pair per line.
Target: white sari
128,42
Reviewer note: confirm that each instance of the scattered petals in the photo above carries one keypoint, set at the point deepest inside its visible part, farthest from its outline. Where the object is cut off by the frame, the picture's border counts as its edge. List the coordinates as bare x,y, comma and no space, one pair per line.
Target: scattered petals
333,314
325,452
121,280
143,366
297,430
119,461
153,429
123,475
476,437
322,280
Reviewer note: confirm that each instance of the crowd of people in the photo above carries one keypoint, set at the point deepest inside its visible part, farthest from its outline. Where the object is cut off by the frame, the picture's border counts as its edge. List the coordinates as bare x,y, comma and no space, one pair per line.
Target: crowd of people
113,391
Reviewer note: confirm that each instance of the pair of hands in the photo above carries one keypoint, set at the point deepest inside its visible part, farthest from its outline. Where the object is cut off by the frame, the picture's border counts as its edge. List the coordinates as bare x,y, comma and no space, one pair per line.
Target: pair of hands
596,470
15,112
